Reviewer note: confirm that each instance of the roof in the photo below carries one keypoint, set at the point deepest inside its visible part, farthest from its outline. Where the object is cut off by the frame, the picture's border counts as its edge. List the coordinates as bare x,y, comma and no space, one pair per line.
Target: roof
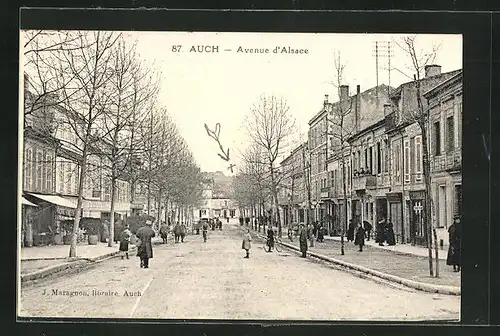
397,91
438,88
367,129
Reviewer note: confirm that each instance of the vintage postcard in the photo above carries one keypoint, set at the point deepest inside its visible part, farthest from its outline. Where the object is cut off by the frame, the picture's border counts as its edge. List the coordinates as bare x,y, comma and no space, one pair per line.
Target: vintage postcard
240,176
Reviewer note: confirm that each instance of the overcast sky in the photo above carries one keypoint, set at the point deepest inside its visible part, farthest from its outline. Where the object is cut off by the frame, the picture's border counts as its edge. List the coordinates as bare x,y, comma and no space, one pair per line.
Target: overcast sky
200,88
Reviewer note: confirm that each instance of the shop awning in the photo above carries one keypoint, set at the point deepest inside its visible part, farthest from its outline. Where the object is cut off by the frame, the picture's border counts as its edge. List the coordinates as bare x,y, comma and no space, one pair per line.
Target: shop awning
24,201
57,200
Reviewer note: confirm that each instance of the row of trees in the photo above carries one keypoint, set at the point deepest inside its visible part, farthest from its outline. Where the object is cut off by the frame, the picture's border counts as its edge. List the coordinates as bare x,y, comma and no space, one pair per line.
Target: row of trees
106,96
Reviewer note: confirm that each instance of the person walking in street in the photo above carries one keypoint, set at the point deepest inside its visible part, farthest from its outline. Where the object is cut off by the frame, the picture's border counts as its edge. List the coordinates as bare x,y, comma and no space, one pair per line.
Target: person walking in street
290,233
380,231
177,232
145,247
303,240
220,225
164,232
204,228
246,244
454,257
270,237
359,237
321,233
183,232
389,233
124,241
368,229
350,230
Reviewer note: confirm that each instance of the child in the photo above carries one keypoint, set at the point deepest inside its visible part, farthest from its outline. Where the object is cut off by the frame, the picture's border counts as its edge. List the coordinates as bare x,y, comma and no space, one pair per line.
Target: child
246,243
125,240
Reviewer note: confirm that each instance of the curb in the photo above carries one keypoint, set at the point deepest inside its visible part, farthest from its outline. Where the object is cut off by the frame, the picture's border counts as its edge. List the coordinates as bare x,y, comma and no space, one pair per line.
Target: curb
440,289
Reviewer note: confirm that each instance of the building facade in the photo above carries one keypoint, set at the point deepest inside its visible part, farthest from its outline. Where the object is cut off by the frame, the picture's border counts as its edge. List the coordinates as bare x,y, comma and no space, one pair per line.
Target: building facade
445,128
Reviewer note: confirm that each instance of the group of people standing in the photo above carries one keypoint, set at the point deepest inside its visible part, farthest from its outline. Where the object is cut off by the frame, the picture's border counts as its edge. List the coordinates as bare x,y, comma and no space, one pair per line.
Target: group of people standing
358,232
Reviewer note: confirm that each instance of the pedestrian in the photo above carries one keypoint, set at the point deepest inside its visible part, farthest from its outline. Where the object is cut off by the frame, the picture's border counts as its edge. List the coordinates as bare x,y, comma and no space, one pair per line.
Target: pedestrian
368,229
220,225
454,257
303,240
321,233
177,232
227,219
183,232
204,228
270,237
380,231
290,233
164,232
124,241
389,233
350,230
246,244
359,237
145,247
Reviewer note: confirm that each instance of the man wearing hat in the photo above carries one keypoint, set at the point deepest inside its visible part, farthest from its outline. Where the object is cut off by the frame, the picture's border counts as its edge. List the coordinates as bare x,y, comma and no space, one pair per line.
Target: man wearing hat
145,247
303,239
455,248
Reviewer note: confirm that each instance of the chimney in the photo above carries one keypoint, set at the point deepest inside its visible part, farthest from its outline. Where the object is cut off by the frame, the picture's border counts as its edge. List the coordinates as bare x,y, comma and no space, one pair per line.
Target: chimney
387,109
357,108
325,103
344,93
432,70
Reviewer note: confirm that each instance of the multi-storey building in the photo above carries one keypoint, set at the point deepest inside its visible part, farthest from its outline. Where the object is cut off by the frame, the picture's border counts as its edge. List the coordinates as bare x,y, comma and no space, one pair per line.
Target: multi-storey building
406,197
445,125
292,196
350,120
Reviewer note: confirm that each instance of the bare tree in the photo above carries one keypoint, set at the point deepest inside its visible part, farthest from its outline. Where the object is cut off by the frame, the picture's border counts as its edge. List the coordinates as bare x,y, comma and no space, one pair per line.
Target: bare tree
342,127
269,124
418,59
84,79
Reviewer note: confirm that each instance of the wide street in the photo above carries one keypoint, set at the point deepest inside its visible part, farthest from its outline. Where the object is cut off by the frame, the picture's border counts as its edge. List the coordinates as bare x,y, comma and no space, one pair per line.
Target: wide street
197,280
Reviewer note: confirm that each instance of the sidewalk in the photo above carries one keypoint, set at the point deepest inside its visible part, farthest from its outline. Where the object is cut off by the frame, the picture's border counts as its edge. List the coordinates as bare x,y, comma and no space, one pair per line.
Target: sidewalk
40,261
407,262
407,249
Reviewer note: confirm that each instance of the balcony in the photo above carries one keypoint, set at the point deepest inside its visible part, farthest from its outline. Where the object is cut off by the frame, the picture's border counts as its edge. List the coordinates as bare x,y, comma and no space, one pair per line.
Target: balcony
364,182
447,162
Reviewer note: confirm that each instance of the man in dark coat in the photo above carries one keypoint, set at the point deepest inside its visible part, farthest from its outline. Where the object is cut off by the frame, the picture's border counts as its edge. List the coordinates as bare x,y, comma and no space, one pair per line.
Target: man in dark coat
389,233
204,228
145,248
380,231
177,232
303,240
455,248
350,230
359,237
270,238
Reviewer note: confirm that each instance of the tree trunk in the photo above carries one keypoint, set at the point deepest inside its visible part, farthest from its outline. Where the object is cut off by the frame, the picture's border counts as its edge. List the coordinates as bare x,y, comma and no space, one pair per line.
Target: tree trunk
436,251
427,181
112,210
28,233
83,173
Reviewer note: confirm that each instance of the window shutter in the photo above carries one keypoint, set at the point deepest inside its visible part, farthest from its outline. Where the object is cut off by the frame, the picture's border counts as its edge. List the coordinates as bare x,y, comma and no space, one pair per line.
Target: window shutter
407,160
418,158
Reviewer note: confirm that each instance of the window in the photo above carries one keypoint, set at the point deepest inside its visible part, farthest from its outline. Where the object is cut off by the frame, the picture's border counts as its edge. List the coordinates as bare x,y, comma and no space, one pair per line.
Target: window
49,172
28,166
459,123
407,160
379,158
386,156
39,171
397,163
370,159
457,209
437,139
418,158
365,165
61,177
450,134
359,160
